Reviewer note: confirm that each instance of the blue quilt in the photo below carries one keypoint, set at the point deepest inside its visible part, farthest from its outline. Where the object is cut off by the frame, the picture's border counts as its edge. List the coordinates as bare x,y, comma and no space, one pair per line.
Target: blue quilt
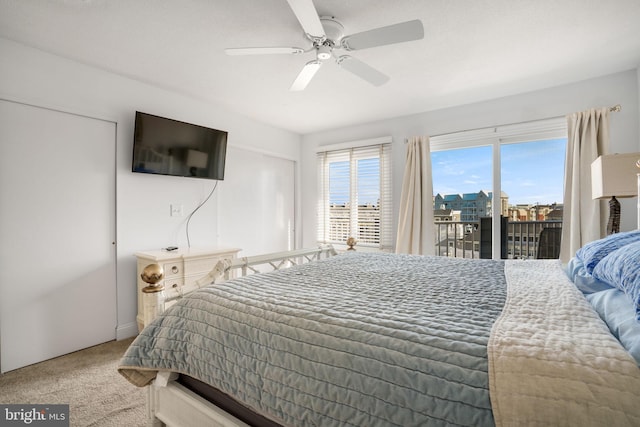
360,339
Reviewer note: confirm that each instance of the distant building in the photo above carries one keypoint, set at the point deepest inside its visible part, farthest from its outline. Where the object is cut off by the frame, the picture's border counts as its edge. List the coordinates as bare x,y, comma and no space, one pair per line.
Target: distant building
535,212
523,240
340,226
472,206
446,215
556,213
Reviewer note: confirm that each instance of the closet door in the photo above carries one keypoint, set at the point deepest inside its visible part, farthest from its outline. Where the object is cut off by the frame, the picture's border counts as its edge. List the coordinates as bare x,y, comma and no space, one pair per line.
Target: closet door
257,203
57,233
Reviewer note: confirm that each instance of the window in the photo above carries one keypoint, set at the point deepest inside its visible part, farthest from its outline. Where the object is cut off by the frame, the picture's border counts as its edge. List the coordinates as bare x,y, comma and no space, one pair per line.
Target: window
355,194
513,173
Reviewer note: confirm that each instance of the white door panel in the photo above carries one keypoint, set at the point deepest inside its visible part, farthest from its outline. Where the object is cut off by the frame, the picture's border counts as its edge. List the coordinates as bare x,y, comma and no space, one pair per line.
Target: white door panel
257,202
57,227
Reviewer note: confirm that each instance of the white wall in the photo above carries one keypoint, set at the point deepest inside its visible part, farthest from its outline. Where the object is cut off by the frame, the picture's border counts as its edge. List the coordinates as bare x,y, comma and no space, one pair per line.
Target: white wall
142,211
621,88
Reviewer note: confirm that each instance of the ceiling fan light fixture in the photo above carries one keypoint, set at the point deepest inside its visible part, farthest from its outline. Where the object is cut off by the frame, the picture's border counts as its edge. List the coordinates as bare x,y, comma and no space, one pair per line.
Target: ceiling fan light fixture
323,52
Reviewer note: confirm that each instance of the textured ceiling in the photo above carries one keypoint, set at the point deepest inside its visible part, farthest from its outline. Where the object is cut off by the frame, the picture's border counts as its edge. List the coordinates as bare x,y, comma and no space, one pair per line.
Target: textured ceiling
472,50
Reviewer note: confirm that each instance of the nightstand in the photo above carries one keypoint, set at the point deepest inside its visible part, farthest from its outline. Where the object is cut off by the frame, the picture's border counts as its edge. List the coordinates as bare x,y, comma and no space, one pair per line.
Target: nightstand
182,268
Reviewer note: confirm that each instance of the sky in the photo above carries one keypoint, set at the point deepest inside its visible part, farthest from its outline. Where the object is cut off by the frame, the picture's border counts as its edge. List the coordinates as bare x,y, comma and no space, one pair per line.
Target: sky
531,173
368,189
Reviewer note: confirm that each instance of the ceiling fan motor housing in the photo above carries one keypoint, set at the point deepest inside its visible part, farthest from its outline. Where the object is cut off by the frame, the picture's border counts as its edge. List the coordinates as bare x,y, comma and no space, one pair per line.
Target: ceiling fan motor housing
333,32
333,29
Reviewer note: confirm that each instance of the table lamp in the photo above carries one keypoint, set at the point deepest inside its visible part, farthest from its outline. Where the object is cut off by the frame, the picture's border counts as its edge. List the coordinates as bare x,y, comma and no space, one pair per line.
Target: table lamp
614,176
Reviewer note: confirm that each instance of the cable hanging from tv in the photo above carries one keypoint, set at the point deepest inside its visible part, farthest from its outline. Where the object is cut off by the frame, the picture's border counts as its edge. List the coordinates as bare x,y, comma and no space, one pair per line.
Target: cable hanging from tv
196,209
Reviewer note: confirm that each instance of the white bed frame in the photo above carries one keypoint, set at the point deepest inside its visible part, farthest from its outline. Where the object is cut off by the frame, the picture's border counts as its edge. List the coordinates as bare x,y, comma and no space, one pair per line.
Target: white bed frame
171,404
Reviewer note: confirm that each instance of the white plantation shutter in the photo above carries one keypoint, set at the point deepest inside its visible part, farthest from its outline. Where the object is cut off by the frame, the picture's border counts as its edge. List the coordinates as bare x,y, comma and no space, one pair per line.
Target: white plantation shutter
355,190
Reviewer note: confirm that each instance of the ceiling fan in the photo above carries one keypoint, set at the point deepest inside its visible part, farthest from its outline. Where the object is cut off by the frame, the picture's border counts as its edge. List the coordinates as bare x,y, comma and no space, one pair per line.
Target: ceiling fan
326,35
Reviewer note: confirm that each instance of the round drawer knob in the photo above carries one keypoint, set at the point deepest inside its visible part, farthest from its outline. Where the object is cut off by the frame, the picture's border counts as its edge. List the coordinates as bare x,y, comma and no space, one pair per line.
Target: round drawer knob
175,285
174,269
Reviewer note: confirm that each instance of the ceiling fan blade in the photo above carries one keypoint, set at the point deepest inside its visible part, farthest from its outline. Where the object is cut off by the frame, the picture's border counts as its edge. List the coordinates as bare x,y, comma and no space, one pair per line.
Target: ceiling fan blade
362,70
308,17
305,76
396,33
236,51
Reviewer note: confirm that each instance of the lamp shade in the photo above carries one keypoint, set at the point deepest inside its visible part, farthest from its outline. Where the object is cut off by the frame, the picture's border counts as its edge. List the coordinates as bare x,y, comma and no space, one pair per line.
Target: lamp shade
614,175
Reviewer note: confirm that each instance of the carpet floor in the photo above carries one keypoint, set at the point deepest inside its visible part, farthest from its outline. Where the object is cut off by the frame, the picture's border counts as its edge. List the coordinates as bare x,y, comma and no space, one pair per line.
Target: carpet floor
86,380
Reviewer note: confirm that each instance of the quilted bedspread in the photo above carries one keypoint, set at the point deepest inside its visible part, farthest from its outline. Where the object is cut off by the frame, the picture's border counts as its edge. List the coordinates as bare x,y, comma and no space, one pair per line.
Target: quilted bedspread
553,362
356,340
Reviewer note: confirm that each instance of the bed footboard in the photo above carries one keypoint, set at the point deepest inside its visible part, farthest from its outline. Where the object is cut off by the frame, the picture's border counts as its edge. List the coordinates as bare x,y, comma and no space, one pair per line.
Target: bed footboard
273,261
175,405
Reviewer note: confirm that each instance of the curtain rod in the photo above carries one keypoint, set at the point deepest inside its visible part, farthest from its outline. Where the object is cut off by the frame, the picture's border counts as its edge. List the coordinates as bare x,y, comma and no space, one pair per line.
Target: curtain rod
615,109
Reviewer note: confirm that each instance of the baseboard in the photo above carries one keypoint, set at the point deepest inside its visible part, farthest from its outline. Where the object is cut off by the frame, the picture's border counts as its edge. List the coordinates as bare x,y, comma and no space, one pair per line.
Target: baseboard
127,330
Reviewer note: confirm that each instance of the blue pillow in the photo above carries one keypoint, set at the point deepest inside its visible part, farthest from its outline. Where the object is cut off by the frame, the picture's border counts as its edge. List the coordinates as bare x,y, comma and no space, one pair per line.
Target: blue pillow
621,269
619,314
584,281
592,253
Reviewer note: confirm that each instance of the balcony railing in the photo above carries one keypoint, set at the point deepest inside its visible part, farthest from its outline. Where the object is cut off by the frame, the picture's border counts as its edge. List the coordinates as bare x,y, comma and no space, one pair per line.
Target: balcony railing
469,240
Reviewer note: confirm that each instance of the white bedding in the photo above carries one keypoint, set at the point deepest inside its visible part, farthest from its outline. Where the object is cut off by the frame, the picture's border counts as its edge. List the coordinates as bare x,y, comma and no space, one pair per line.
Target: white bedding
552,361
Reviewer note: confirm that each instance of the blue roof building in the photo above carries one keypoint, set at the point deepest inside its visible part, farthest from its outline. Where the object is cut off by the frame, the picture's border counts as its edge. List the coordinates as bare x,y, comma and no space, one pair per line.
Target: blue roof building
472,206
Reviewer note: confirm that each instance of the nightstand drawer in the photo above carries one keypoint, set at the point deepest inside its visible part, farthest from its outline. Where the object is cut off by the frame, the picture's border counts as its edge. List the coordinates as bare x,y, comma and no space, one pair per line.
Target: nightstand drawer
173,269
174,288
200,267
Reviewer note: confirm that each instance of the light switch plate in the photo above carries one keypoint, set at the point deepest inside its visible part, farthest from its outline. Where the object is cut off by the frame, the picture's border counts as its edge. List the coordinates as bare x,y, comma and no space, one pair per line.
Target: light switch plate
176,210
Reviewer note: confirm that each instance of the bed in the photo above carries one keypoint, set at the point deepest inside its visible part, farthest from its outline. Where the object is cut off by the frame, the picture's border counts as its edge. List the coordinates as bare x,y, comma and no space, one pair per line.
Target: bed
368,339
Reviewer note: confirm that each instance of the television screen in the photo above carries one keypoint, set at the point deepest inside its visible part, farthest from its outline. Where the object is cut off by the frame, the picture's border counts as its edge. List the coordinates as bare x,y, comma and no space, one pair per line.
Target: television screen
170,147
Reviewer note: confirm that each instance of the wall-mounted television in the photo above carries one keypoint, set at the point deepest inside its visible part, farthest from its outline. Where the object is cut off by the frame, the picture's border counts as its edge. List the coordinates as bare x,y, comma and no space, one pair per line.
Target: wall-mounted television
170,147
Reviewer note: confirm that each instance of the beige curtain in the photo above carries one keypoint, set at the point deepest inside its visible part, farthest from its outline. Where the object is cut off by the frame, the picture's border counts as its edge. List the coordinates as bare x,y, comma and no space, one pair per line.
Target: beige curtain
581,220
415,221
